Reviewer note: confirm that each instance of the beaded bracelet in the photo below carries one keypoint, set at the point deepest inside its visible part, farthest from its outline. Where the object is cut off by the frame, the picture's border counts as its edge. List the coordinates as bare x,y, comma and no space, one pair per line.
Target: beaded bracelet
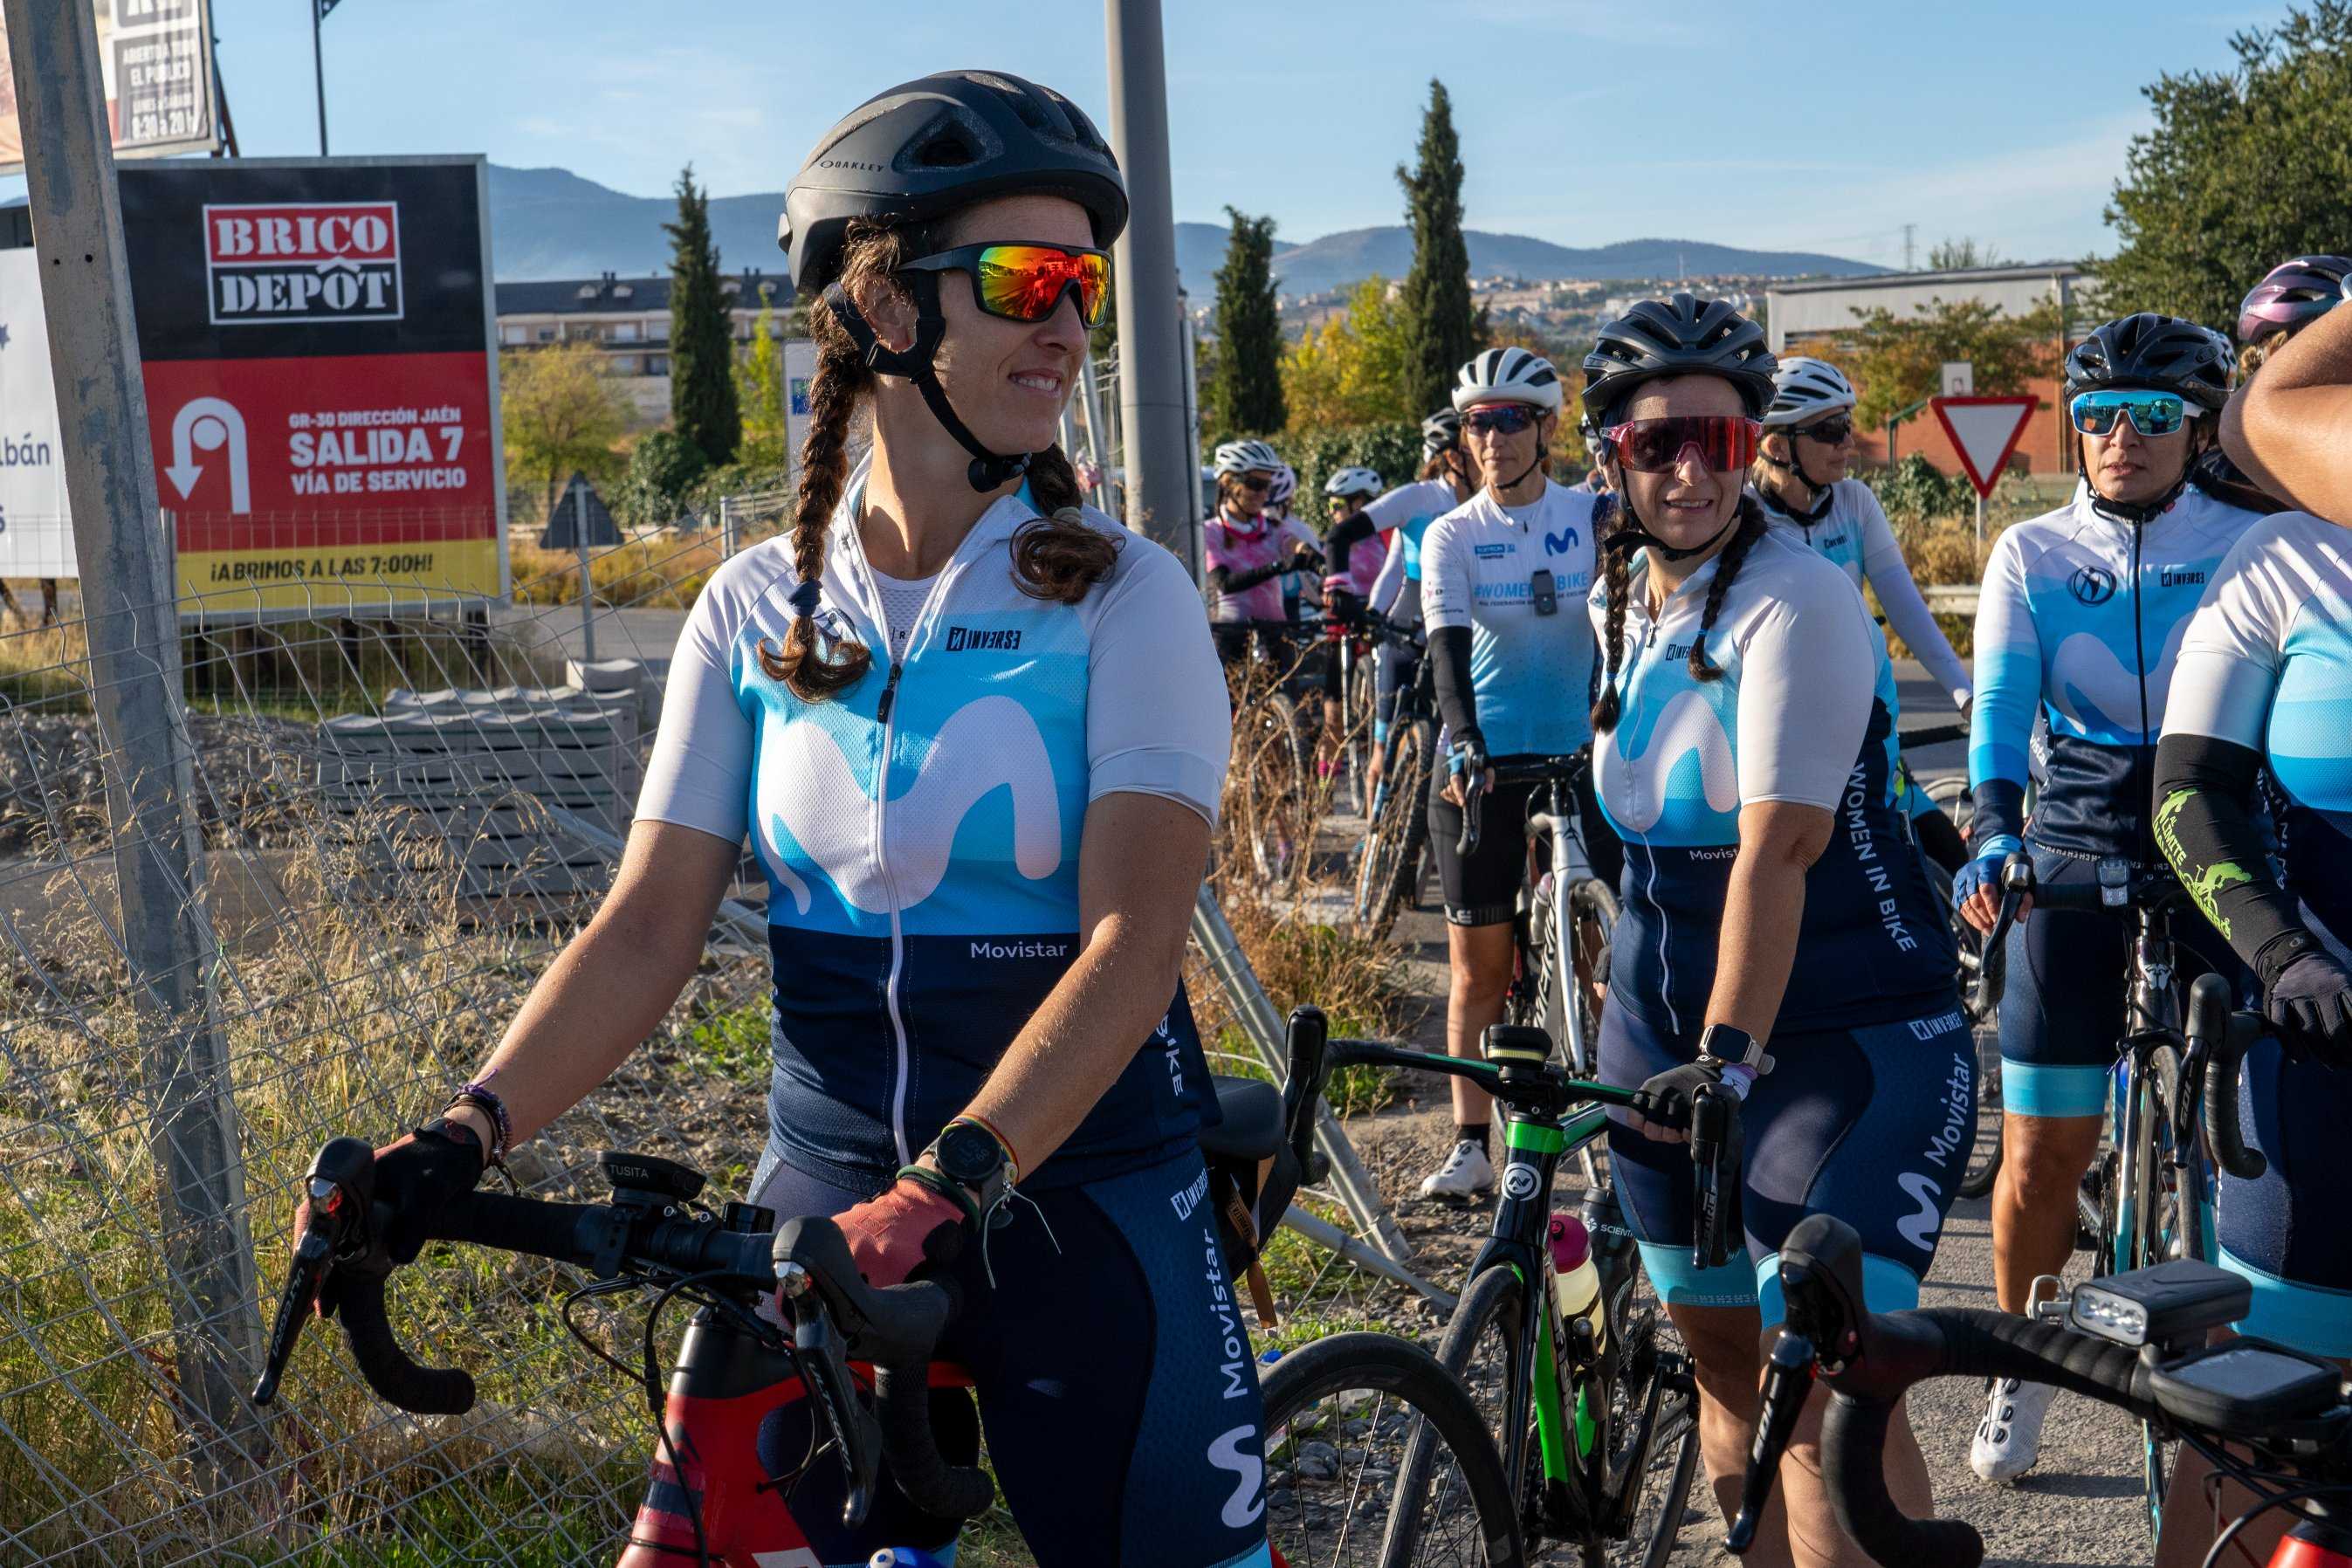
480,1096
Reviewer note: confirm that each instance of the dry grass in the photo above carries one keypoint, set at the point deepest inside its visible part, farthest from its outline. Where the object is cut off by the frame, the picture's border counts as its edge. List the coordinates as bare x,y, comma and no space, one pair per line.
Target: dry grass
653,572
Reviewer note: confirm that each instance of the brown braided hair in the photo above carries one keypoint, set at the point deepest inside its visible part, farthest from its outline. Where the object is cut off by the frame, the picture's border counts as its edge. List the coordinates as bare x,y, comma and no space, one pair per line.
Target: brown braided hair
1058,556
1617,574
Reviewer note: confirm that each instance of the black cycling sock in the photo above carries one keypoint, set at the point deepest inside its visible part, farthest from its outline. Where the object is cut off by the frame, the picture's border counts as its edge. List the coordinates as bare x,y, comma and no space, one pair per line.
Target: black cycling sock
1480,1135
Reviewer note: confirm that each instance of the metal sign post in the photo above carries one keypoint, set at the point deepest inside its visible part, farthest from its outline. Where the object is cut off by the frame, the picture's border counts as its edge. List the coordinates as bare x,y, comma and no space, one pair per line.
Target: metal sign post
587,583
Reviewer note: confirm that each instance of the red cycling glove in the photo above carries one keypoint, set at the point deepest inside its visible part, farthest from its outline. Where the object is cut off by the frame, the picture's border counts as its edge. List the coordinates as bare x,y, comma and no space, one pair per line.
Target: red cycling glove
901,1230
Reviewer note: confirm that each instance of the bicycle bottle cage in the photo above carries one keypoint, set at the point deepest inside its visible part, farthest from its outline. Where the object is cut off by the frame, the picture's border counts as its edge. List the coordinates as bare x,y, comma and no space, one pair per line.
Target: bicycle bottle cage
647,1180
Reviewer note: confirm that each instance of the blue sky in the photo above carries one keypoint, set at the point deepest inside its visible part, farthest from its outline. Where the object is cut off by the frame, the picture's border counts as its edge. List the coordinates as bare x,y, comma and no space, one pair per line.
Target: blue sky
1825,126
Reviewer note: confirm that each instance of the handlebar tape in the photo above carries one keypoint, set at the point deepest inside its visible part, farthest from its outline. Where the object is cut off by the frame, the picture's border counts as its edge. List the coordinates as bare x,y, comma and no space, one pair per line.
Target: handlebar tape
902,1404
514,1224
1946,1341
2227,1035
391,1371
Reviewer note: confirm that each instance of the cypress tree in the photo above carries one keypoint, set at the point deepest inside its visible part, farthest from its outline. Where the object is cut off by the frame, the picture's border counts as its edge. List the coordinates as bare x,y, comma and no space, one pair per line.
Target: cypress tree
1246,394
702,403
1441,331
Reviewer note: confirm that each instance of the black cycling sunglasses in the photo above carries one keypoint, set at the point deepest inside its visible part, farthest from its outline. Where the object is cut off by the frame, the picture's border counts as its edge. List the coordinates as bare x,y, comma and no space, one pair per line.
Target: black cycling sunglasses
1254,482
1829,432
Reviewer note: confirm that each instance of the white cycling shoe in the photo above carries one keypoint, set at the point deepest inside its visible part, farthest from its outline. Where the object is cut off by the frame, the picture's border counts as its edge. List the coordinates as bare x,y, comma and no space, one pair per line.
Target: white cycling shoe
1466,1174
2008,1438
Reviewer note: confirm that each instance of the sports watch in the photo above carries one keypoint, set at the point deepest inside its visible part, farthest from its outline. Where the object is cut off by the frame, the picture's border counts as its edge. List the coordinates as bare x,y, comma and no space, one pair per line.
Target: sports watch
1722,1045
969,1156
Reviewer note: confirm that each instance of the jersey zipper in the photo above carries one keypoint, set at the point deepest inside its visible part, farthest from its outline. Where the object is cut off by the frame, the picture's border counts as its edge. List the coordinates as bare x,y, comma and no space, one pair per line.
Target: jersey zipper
2139,653
1650,884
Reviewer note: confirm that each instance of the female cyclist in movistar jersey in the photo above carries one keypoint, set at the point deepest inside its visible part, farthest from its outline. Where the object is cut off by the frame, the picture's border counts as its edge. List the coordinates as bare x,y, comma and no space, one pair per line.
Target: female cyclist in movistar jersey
1775,923
2263,695
2291,296
1503,576
1800,478
975,734
1448,478
2080,615
1246,550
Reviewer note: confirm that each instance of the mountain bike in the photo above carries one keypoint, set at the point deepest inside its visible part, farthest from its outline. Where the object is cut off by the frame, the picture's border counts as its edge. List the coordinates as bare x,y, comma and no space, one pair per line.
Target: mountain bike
1561,928
1389,868
1593,1416
2136,1340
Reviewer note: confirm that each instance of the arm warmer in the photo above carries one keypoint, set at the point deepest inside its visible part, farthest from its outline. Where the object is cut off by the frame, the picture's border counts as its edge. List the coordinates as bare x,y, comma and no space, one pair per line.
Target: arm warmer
1225,580
1343,539
1457,700
2206,827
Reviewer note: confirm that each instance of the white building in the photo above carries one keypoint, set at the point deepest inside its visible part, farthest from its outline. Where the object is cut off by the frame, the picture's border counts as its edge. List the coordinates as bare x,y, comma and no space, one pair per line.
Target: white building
1827,307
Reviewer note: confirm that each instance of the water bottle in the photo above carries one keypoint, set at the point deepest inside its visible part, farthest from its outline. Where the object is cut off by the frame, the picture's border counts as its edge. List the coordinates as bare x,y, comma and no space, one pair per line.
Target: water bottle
1576,1284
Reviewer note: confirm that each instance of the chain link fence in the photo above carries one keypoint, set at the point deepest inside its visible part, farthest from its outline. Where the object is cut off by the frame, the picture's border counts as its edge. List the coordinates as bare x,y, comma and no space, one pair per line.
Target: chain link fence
401,817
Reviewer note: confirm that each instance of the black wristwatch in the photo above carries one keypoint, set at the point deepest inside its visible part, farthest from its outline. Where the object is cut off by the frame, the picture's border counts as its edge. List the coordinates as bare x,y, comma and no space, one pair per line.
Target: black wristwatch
1724,1045
970,1156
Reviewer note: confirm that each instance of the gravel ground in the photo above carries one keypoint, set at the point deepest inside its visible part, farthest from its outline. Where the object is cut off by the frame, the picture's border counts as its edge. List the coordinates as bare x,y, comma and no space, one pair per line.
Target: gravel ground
2080,1506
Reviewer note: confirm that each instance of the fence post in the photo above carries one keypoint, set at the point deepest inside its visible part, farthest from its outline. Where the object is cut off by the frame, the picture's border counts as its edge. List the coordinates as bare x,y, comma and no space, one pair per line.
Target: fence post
726,528
587,583
131,617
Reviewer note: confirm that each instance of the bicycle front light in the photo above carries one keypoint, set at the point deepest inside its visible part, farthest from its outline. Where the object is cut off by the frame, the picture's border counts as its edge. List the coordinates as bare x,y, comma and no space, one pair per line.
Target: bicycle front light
2167,1304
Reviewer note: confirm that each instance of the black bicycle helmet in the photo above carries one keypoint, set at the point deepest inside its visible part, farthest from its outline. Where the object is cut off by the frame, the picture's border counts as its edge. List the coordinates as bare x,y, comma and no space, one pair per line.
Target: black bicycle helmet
1682,336
930,146
2162,352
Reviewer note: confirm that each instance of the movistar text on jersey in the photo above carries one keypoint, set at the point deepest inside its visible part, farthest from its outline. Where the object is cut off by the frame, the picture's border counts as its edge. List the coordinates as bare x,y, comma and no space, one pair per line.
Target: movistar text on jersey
1032,949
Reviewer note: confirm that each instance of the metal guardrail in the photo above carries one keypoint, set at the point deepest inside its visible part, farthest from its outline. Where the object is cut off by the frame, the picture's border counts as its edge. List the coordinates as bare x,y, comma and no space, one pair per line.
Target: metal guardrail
1950,598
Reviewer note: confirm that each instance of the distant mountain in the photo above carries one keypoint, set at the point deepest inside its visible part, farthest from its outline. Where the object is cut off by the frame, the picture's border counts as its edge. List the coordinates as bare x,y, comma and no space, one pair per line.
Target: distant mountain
550,223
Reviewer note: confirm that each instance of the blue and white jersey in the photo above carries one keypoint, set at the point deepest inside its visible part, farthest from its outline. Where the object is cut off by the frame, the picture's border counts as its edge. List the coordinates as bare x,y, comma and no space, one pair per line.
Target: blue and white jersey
920,830
1531,673
1409,510
1797,717
2267,664
2082,616
1855,536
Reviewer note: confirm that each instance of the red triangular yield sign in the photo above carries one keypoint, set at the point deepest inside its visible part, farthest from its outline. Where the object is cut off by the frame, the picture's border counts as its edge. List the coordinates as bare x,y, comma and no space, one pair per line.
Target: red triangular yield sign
1984,431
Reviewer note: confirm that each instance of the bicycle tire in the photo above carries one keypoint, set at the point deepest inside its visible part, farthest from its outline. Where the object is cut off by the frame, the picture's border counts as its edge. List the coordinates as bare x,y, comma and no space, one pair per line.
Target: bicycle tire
2151,1240
1983,1168
1392,847
1387,1366
1481,1351
1362,701
1593,915
1652,1432
1274,780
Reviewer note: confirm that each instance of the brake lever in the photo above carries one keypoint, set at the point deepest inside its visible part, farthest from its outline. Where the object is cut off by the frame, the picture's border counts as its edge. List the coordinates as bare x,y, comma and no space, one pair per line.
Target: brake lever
824,1366
1714,1136
339,1186
1787,1380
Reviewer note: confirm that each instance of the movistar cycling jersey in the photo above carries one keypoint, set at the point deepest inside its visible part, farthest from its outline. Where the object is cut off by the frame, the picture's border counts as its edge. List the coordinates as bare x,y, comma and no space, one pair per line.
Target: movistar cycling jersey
1484,566
920,830
1855,535
2082,615
1794,717
2267,665
1409,510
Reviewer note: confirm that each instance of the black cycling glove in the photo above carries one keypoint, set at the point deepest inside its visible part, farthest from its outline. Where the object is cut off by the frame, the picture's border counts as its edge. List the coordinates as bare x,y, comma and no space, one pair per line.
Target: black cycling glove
415,1180
2310,1003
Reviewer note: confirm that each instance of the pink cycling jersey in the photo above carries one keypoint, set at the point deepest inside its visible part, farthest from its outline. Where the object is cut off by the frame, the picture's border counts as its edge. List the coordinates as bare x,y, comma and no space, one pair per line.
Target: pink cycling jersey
1229,548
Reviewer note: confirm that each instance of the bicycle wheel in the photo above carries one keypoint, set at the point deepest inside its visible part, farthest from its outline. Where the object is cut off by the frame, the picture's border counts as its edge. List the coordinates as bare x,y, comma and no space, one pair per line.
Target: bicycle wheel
1392,854
1363,699
1340,1414
1488,1348
1593,913
1650,1433
2160,1219
1984,1156
1273,773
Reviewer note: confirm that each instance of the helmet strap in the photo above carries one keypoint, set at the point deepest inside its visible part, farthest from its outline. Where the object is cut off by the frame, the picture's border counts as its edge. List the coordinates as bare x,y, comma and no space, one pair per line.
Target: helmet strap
1823,495
989,470
1541,454
2136,514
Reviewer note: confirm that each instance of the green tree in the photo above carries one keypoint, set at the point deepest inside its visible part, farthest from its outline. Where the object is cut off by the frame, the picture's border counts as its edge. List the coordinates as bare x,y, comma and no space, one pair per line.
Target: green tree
760,389
1895,361
662,469
1441,330
702,404
560,412
1245,392
1350,370
2245,167
1960,255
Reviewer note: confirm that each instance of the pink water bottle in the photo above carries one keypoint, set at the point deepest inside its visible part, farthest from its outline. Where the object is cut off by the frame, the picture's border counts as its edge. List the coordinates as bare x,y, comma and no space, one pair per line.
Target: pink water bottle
1576,1284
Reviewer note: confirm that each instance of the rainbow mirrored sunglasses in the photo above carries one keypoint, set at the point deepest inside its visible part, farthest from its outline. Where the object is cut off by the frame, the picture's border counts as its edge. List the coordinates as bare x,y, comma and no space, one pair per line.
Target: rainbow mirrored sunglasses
1025,281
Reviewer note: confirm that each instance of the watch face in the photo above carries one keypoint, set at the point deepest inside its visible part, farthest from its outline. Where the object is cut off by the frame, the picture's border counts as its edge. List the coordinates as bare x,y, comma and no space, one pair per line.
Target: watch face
969,1155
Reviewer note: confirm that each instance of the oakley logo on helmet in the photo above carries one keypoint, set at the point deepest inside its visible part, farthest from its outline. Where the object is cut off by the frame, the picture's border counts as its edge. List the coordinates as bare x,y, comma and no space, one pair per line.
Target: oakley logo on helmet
851,163
2091,585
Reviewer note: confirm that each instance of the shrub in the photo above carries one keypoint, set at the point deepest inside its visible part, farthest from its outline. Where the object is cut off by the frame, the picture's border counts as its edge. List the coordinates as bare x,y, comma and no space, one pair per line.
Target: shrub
662,470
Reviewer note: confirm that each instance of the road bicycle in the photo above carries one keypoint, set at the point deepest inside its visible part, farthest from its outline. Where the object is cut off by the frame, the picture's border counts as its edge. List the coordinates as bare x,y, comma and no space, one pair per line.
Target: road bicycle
1277,716
1390,865
2138,1340
1560,926
1589,1410
2149,1196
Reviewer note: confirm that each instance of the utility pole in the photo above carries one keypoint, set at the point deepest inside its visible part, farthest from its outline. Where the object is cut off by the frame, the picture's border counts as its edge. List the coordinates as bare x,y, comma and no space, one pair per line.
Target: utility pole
131,603
319,65
1910,235
1163,493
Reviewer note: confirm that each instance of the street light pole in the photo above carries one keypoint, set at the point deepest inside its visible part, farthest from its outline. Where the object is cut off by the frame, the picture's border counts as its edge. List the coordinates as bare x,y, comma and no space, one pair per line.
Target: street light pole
319,67
1162,491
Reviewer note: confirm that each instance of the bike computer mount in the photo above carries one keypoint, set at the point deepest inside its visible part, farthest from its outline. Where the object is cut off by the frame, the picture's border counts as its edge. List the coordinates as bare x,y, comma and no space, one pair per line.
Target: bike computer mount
647,1180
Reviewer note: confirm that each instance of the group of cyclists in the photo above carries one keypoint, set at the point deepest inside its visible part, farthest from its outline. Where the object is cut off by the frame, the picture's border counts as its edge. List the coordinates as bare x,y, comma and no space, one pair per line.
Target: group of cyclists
975,731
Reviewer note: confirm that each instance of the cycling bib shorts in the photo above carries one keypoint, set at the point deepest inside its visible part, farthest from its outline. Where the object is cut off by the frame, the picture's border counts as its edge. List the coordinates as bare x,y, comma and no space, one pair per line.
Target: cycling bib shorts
1482,887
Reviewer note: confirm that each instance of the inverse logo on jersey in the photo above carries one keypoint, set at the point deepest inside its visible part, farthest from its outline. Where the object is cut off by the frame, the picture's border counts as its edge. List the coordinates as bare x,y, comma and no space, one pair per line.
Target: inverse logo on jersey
963,639
2091,585
270,262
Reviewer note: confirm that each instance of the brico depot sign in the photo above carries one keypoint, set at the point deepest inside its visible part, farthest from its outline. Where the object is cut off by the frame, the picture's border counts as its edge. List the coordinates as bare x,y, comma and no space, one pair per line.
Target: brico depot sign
321,373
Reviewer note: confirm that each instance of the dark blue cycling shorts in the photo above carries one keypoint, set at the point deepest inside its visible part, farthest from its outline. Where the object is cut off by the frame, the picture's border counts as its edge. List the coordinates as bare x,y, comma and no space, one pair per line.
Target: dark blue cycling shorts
1116,1384
2063,1013
1872,1124
2290,1230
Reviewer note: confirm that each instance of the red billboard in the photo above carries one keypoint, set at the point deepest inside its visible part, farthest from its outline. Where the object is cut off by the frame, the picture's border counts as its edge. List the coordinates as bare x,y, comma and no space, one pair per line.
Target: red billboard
321,378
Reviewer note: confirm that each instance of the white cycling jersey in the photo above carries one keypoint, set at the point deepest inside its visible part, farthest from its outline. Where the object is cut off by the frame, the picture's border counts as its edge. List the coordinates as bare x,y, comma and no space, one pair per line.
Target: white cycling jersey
1856,535
1531,672
1409,509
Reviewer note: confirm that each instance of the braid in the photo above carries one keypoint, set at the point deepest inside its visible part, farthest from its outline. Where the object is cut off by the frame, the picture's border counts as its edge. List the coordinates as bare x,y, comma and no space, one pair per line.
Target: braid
1060,555
1726,567
1617,578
